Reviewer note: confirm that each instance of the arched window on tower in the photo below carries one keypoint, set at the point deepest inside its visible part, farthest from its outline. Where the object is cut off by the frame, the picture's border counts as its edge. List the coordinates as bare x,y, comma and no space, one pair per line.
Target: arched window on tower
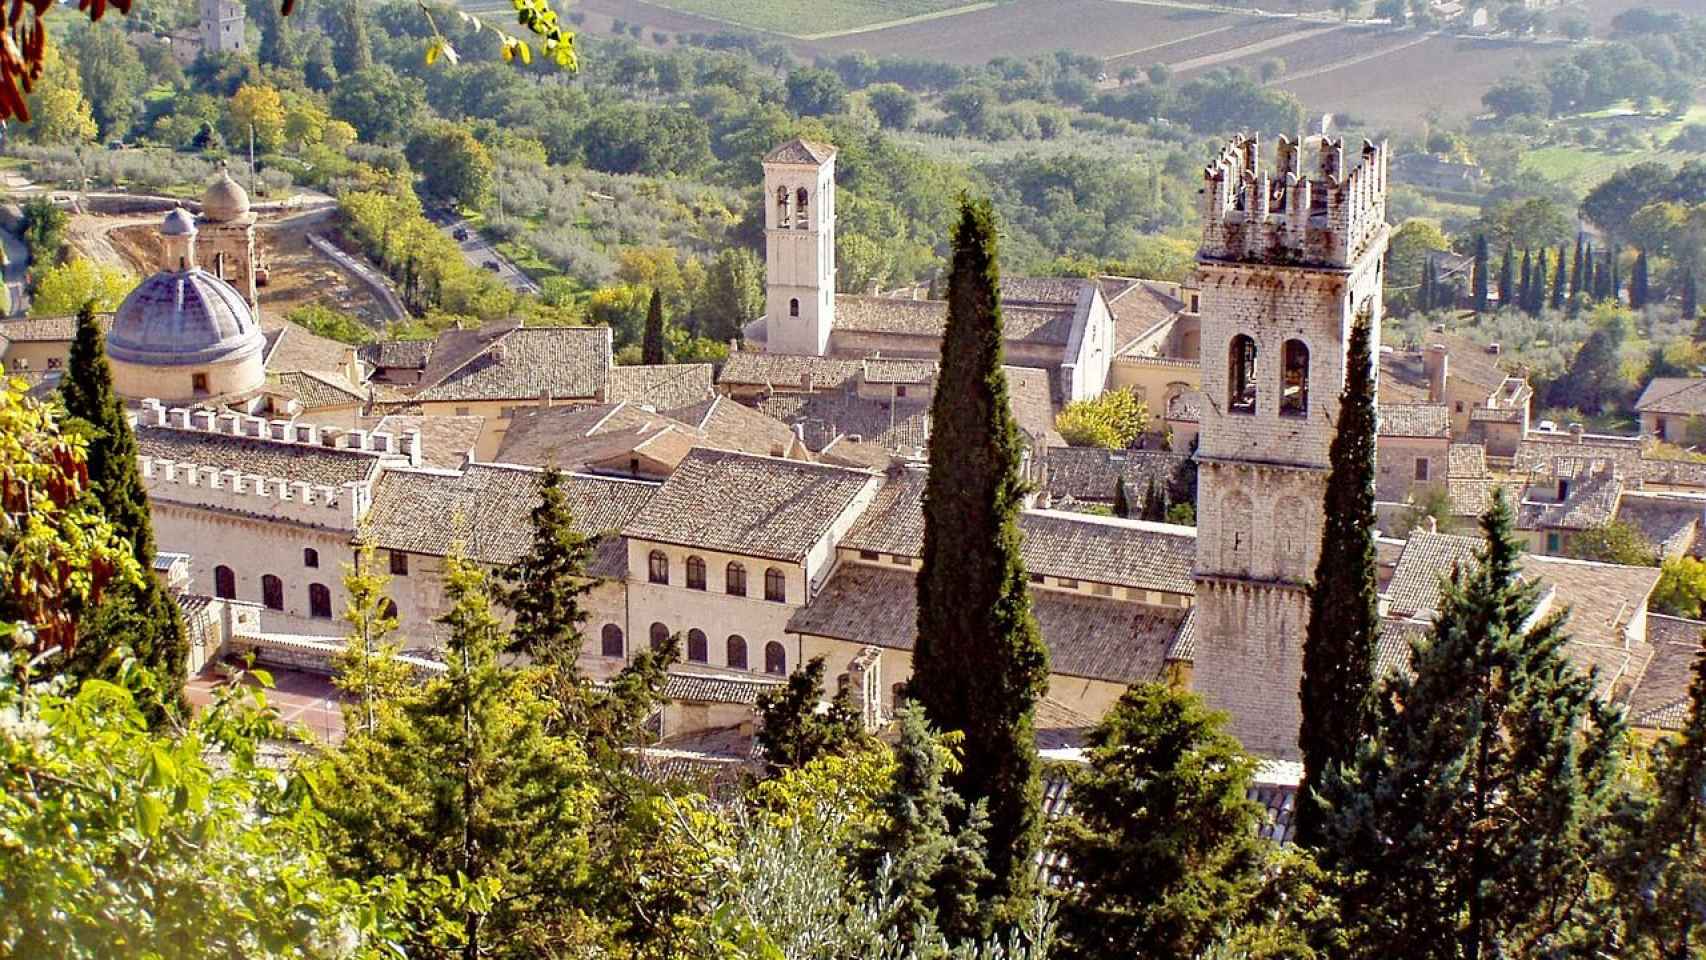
794,307
801,222
1294,380
610,640
784,214
1241,375
224,583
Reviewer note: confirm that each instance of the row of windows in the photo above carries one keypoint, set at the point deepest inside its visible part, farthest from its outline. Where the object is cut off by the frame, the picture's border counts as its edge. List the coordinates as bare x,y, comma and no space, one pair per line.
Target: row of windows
1241,377
611,644
734,577
272,592
791,217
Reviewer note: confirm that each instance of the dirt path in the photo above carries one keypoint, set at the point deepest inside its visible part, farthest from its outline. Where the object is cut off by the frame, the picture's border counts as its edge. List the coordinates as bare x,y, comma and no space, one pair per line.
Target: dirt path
1249,49
1352,61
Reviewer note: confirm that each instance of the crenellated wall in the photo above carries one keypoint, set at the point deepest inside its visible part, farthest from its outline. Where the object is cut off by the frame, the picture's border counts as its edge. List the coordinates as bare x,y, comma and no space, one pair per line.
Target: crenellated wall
1280,215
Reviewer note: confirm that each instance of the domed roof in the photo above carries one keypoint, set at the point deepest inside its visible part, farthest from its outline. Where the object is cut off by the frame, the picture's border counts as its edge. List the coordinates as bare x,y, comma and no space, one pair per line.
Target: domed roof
178,223
225,198
180,317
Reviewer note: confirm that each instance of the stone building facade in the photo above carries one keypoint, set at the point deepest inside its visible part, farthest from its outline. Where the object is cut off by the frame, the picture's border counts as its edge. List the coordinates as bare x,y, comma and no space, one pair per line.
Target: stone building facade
1288,263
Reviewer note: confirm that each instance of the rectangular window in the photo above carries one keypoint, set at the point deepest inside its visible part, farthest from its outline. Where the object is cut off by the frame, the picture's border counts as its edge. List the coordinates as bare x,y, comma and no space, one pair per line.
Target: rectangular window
1102,590
1038,578
1064,582
198,382
900,561
870,555
900,391
462,411
1422,469
399,564
1553,543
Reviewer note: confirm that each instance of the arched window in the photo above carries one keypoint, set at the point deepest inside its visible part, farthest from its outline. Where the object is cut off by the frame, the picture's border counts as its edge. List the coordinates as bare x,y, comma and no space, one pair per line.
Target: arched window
775,586
734,580
657,567
801,222
390,611
319,601
310,557
610,641
695,573
784,218
660,637
1294,381
1241,375
737,651
794,306
224,583
698,651
272,592
775,659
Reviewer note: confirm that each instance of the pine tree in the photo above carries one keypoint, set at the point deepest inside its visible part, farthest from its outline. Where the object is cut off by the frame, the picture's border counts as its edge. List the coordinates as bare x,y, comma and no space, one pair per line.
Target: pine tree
1526,290
544,587
794,732
1122,505
368,667
1560,286
1469,823
1344,611
979,665
651,347
1160,850
137,615
1483,263
1507,277
934,869
1662,874
1638,291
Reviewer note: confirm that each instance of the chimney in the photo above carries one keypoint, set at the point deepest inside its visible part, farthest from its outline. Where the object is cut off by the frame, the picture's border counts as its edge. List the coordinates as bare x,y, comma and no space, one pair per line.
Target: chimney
1436,363
806,381
1431,524
411,447
1579,432
1493,349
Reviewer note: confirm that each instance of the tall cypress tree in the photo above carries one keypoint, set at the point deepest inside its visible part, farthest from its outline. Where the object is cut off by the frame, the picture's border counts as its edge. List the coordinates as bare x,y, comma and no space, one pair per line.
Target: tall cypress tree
1469,824
1576,267
1155,502
1483,263
1344,613
1507,277
651,347
1525,291
140,615
1691,301
1537,296
1616,271
1425,294
980,665
1122,502
1602,290
1560,286
543,588
1638,291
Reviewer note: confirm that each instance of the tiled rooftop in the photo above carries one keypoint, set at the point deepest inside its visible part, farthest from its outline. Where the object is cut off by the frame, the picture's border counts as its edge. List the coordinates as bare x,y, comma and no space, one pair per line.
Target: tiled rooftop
902,424
730,425
1684,396
1090,473
1670,523
1591,500
887,370
799,150
406,354
292,347
446,442
785,371
566,363
1661,700
25,329
1466,460
316,390
488,510
661,387
573,436
739,503
718,687
1414,420
1051,325
287,461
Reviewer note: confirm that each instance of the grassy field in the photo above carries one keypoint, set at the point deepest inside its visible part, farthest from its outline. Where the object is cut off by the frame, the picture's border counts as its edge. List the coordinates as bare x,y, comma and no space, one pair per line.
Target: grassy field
807,18
1583,167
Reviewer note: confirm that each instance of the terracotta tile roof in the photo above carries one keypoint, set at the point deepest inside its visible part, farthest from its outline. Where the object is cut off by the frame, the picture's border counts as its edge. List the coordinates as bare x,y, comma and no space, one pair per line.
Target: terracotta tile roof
1091,637
1392,649
1590,502
405,354
718,687
1131,553
902,424
1090,473
568,363
488,508
1030,395
1471,496
316,390
446,442
1414,420
730,425
1184,646
573,436
799,150
291,347
1685,396
739,503
39,329
1661,700
1466,460
887,370
1050,325
660,387
894,522
286,461
1054,291
785,371
1427,559
1670,523
1139,306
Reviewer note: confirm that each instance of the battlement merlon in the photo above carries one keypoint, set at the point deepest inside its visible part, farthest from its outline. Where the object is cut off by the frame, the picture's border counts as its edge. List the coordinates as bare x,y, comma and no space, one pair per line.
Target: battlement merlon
408,444
1279,215
315,504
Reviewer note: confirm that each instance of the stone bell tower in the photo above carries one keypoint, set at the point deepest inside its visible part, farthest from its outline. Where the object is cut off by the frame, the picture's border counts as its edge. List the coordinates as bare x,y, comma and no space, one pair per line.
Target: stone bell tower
1288,262
799,247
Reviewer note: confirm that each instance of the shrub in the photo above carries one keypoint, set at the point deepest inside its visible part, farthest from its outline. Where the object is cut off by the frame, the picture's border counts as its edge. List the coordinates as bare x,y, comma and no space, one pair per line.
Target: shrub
1113,420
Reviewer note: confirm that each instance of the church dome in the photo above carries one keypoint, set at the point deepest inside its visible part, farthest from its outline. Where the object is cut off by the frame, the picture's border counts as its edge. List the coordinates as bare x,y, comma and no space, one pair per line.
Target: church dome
225,199
183,317
178,223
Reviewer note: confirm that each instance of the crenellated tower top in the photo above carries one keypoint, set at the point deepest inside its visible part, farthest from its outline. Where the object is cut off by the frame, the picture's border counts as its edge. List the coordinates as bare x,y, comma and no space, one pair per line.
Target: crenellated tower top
1277,215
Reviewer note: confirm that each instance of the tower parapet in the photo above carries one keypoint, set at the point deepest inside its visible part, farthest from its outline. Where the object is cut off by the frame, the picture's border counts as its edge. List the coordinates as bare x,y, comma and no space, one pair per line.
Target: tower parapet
1279,215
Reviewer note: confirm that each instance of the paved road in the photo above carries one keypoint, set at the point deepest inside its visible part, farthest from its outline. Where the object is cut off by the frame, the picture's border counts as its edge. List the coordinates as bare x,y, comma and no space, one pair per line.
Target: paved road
479,253
17,264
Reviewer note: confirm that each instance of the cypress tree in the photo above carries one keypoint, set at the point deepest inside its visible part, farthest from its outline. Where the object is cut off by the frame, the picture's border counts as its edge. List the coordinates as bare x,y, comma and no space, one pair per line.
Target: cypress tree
1526,290
1576,267
1425,294
1616,272
979,665
1155,502
651,348
543,589
1469,824
1483,262
1691,300
1344,613
1638,281
1507,276
1560,287
1602,289
1537,296
140,616
1122,506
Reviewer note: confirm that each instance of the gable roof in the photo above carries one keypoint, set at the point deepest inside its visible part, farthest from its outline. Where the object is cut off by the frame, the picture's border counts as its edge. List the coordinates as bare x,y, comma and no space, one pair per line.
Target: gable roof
488,509
316,390
446,442
1684,396
1044,323
660,386
519,363
1431,420
731,425
1661,700
801,150
745,504
572,436
1090,473
788,371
